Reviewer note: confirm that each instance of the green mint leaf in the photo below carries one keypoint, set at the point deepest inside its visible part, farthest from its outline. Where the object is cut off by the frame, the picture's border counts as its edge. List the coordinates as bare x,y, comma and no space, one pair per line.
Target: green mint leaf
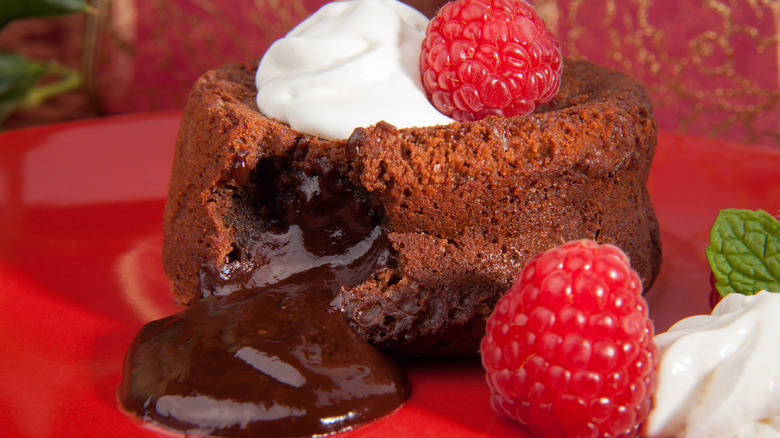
13,9
744,252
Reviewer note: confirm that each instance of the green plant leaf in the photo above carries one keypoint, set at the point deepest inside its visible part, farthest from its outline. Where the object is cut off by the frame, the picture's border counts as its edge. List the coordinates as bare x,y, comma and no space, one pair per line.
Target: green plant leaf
13,9
19,76
744,252
21,82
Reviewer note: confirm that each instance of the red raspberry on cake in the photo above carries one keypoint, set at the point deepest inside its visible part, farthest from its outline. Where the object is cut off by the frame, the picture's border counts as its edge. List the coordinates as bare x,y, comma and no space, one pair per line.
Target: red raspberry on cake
569,349
489,57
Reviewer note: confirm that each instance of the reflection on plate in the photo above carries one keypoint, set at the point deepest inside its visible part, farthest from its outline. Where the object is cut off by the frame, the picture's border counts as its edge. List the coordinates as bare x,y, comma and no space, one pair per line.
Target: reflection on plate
80,237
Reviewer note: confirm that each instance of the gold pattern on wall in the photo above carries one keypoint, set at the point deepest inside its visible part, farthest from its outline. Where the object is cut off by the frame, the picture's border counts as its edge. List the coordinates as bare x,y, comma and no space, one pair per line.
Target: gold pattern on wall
711,67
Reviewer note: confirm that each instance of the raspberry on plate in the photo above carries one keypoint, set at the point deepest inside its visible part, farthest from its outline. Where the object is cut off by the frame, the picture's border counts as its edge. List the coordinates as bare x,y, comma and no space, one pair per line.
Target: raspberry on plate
569,349
489,57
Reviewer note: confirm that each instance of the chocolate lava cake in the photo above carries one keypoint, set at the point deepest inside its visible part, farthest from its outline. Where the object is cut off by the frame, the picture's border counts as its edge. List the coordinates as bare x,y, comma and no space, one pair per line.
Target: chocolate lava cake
424,228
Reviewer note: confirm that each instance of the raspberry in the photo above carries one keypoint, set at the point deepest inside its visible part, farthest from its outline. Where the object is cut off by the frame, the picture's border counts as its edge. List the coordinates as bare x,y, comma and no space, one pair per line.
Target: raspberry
569,349
489,57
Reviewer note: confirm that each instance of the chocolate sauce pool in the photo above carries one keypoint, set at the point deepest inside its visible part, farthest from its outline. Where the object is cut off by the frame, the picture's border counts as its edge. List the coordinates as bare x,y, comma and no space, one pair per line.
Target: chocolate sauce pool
267,355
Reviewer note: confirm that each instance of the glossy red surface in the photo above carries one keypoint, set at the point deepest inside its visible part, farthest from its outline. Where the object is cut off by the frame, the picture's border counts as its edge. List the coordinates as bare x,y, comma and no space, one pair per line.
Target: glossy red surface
80,236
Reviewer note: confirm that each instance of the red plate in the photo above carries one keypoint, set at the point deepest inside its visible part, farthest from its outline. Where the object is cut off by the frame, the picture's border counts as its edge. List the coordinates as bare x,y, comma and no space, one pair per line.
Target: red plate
80,236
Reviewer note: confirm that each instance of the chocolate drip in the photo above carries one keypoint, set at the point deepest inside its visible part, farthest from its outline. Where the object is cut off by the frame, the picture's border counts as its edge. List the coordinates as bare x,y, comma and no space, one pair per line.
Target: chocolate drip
275,362
240,170
267,355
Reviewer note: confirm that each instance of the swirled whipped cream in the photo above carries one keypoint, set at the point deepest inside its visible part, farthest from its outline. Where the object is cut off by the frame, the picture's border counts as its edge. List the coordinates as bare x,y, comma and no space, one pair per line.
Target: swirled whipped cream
352,63
719,374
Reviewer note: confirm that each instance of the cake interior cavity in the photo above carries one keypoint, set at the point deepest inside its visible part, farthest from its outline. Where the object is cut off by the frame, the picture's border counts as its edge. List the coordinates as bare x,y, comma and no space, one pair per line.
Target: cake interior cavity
299,219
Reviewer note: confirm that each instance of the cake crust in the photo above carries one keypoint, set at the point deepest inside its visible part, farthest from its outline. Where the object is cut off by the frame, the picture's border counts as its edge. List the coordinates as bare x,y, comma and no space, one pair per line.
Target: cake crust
463,206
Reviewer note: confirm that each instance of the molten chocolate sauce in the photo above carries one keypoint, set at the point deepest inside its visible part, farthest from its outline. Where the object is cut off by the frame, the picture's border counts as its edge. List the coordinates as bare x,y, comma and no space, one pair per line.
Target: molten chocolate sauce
267,355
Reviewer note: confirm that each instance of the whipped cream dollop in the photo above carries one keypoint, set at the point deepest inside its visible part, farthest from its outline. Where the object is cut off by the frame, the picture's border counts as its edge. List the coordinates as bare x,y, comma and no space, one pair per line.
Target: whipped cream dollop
719,374
350,64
